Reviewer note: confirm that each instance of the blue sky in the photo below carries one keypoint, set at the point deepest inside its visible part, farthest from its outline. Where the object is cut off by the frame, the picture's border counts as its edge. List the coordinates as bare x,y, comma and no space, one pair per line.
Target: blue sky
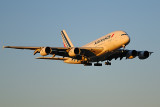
25,81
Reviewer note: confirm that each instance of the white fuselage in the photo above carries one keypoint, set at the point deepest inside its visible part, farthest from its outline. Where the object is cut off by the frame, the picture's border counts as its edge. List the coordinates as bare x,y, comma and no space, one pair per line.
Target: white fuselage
109,42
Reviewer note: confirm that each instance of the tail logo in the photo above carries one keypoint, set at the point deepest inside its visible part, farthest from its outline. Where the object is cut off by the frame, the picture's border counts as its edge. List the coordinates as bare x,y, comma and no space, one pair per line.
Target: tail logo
66,41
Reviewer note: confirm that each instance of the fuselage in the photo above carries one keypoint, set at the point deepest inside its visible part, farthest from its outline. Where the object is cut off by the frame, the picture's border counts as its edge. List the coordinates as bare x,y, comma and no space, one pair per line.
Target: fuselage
109,42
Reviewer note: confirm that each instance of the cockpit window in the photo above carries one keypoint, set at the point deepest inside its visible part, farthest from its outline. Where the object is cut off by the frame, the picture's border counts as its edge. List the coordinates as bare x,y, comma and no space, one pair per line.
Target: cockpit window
124,34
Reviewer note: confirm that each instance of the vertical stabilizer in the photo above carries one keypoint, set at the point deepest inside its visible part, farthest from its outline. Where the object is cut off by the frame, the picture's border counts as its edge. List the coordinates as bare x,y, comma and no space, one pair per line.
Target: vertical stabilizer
66,41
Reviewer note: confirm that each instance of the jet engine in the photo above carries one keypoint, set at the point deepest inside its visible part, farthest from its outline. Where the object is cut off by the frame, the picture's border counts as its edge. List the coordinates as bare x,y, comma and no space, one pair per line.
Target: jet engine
74,52
131,54
143,55
45,51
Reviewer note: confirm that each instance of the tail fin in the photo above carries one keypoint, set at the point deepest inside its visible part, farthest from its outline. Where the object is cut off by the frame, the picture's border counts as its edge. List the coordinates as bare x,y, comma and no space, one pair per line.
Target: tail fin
66,41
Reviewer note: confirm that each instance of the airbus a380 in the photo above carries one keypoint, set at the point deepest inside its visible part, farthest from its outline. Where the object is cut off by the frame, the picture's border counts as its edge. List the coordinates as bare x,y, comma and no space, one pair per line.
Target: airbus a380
106,48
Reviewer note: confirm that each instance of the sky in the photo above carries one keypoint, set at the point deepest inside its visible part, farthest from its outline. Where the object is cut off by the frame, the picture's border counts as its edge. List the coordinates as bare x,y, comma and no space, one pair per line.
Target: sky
28,82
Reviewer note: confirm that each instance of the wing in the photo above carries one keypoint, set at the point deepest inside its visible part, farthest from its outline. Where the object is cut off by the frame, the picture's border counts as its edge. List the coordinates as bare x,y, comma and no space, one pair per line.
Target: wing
21,47
62,51
128,54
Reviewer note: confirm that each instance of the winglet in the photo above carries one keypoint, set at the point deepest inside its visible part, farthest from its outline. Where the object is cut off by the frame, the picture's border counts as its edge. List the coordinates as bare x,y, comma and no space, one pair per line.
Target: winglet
6,46
151,52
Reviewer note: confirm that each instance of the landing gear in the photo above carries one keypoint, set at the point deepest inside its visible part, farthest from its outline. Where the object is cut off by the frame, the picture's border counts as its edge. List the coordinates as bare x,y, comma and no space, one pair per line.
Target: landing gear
107,63
88,64
123,46
98,64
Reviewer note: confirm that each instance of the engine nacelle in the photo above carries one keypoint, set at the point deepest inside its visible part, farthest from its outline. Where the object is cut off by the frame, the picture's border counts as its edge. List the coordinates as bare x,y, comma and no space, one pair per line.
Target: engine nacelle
74,52
143,55
45,51
131,54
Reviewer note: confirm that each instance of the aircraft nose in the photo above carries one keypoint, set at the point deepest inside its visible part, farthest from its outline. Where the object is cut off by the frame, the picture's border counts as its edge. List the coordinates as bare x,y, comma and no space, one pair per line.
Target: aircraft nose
127,39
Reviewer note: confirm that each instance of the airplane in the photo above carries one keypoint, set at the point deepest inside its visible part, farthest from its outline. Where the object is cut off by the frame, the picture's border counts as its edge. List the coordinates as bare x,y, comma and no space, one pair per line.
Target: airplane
106,48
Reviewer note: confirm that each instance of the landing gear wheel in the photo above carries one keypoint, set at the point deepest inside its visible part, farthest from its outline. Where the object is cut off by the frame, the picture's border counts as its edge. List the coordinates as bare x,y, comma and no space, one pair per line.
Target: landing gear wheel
88,64
98,64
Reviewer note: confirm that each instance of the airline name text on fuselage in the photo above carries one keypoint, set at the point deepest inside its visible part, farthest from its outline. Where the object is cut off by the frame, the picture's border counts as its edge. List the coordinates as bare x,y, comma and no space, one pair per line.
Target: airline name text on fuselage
98,41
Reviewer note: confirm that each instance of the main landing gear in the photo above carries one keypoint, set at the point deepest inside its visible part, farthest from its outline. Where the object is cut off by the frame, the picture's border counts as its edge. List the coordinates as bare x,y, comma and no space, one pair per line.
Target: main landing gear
88,64
98,64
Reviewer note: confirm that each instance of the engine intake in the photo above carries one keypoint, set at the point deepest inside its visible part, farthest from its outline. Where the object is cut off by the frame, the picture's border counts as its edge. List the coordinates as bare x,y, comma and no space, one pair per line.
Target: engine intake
45,51
74,52
131,54
143,55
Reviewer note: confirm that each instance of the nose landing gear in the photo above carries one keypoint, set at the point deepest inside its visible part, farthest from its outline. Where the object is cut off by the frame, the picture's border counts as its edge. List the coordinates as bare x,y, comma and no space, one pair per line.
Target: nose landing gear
123,46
